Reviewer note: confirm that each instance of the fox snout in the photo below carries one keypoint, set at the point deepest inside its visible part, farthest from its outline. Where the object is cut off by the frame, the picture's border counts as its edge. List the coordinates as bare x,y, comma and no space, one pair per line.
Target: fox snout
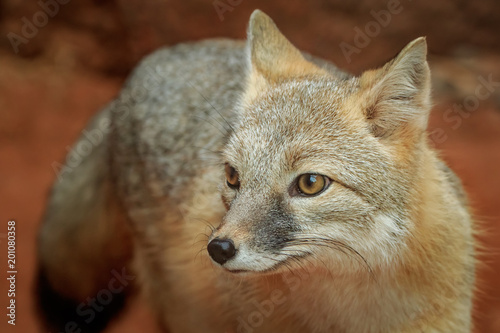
238,256
252,235
228,244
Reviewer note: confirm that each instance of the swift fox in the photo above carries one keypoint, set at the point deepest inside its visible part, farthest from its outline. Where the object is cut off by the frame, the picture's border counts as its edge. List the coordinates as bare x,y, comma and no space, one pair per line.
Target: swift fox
254,188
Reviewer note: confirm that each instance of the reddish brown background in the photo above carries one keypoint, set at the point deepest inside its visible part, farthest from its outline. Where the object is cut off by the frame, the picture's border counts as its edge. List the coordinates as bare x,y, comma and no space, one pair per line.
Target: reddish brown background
76,63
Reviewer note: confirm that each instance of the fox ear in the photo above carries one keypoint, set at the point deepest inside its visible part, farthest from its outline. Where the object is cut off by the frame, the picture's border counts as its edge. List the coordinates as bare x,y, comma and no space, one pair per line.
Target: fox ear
397,96
272,58
271,54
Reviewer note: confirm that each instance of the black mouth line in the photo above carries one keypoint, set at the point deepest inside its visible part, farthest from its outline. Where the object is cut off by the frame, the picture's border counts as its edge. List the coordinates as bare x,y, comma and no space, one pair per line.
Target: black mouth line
289,260
238,271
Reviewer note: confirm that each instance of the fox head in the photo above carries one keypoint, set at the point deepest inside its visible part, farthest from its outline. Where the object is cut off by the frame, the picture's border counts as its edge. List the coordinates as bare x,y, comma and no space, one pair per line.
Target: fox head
320,169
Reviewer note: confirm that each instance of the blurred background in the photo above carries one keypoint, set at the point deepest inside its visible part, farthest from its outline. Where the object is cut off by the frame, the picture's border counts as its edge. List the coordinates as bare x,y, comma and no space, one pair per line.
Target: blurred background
63,60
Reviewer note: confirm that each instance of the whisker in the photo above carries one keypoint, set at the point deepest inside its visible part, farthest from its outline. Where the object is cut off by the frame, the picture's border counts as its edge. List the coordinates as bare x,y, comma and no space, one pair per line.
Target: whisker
207,121
213,107
321,241
204,248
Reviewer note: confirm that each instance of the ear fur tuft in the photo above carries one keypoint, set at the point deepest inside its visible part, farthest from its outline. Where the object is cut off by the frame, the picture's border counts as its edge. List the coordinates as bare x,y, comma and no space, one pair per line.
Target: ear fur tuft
271,54
272,58
398,94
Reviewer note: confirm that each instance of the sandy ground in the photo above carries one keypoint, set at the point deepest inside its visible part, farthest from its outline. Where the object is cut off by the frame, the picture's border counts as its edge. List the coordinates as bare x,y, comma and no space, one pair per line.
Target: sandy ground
46,99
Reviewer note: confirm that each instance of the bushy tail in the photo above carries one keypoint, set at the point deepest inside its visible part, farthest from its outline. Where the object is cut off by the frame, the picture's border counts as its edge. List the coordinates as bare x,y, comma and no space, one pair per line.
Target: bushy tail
84,245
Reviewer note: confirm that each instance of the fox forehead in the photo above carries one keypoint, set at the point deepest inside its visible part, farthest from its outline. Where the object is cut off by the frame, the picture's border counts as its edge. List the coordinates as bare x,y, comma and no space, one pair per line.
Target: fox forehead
298,102
299,124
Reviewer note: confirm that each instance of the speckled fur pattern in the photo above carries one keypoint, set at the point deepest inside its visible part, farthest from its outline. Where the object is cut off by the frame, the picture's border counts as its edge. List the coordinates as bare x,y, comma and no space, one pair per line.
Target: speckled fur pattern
387,247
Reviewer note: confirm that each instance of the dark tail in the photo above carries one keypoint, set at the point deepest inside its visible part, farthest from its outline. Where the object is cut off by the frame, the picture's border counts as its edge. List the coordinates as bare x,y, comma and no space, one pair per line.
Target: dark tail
84,244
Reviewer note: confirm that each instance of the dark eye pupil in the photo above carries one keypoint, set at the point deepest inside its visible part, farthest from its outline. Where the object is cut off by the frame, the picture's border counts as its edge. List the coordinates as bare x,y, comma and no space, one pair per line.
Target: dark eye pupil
311,180
232,176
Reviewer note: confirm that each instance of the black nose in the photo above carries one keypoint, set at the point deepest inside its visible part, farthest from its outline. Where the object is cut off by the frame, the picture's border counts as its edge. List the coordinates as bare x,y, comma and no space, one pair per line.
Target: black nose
221,250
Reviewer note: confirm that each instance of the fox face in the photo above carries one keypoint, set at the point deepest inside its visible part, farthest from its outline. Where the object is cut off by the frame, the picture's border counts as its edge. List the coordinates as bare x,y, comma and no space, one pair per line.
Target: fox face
319,168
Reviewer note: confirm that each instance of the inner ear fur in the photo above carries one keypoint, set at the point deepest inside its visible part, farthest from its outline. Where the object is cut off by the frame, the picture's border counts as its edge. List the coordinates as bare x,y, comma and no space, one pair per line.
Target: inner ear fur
397,96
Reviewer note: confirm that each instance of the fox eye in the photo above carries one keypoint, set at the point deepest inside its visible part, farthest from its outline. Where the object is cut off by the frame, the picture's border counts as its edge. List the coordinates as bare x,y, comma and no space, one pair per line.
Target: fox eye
310,184
232,177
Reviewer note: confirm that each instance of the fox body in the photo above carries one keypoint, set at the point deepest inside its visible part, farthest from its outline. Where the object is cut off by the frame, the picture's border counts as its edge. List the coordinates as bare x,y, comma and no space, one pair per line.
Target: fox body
252,188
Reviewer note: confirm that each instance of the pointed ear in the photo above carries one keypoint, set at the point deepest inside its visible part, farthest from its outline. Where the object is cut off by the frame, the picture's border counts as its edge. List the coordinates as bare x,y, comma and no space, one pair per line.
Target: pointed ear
271,54
397,96
272,58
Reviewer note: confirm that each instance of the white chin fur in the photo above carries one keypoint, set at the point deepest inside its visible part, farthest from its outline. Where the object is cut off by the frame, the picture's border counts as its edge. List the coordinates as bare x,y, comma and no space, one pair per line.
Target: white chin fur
248,260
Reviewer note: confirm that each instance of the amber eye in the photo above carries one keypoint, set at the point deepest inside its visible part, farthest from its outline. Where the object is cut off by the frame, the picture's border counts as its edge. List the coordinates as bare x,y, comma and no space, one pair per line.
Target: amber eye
232,177
310,184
